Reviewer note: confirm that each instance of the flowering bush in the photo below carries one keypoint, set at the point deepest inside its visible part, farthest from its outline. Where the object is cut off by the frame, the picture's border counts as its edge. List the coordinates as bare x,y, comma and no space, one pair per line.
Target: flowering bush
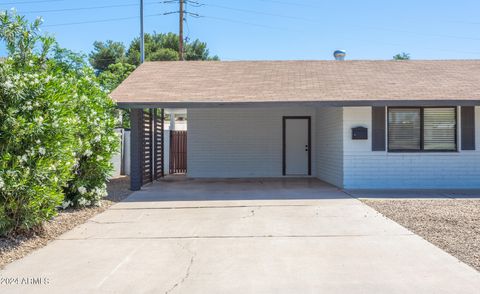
96,140
56,129
37,144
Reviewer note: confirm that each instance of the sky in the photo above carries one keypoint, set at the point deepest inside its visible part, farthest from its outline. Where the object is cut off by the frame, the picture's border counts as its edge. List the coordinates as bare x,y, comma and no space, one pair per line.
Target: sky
274,29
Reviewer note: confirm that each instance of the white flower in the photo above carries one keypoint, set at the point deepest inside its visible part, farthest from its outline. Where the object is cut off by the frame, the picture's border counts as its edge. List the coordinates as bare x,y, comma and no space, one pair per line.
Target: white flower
82,190
8,84
23,158
99,158
82,201
88,153
66,204
39,120
97,139
2,183
41,150
100,192
38,141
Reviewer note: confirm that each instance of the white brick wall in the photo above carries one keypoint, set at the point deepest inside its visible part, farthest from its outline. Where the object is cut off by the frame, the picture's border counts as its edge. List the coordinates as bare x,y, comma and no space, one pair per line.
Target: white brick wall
248,143
329,133
364,168
239,142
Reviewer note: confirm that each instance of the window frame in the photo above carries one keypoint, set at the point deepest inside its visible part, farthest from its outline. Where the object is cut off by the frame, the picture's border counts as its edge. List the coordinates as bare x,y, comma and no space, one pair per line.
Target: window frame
422,139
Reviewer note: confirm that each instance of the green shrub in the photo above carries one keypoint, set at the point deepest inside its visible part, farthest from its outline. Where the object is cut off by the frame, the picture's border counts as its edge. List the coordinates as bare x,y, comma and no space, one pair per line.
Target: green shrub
56,129
37,144
96,139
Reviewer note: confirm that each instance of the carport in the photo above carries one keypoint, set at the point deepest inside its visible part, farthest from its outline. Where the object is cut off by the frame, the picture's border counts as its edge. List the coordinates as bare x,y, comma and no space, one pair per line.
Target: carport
352,124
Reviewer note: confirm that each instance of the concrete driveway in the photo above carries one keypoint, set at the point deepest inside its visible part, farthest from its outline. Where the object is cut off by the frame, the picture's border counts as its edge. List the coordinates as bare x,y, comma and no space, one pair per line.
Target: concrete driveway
241,236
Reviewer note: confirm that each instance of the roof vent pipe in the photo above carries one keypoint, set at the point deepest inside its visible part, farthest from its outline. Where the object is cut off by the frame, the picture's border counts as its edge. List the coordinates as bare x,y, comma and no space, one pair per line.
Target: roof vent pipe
339,54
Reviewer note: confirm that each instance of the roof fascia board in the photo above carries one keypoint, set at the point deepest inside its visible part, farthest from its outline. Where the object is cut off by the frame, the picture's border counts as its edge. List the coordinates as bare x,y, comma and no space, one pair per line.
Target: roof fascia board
137,105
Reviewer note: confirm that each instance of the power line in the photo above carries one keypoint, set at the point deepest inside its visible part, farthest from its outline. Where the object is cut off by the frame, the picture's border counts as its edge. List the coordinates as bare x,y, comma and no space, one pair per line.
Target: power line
182,17
290,3
316,6
99,21
196,4
245,23
356,26
31,2
257,12
86,8
250,24
185,18
185,12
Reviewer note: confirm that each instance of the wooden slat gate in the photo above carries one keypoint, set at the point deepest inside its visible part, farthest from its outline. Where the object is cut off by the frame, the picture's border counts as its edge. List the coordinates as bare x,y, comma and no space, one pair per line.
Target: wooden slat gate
147,146
158,138
152,145
178,152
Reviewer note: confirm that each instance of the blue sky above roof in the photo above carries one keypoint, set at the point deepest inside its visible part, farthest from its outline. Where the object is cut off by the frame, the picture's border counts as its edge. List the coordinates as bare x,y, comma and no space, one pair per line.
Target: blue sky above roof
271,29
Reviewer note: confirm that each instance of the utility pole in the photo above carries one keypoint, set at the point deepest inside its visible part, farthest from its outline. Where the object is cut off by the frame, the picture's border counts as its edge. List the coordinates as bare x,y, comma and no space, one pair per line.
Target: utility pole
142,38
180,33
181,18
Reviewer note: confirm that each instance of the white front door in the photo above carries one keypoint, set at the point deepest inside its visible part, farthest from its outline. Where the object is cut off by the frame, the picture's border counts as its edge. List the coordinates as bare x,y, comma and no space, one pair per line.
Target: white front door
297,146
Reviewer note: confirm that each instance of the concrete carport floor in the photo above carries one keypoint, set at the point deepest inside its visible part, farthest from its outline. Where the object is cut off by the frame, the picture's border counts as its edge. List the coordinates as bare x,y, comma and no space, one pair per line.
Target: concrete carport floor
241,236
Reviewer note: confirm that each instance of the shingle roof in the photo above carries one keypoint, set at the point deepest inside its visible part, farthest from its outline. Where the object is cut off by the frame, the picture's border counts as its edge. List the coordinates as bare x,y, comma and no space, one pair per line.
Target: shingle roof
201,82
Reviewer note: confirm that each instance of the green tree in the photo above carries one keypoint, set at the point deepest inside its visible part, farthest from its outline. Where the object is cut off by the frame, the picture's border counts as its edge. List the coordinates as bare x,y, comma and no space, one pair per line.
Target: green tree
114,75
402,56
163,54
110,79
105,54
158,47
164,47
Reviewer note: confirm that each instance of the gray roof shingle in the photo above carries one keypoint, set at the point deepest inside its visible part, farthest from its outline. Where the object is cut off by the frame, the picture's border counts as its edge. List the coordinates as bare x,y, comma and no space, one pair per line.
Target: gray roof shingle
300,81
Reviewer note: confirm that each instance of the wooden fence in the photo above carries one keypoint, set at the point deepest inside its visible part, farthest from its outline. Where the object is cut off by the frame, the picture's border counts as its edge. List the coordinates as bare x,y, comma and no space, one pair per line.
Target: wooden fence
178,152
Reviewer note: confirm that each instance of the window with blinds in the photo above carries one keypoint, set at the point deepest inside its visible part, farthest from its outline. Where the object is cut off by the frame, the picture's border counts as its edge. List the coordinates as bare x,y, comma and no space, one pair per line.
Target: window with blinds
439,129
404,130
422,129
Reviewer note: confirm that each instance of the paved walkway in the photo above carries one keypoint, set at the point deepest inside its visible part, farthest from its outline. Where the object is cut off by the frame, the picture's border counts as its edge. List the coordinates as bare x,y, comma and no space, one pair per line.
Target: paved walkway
241,236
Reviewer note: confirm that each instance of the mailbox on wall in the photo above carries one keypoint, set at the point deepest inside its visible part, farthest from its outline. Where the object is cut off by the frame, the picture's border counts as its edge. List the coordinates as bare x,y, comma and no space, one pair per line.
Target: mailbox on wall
359,133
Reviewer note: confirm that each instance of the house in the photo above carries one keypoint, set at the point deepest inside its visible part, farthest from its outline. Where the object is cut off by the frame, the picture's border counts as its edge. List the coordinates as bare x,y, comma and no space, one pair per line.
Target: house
354,124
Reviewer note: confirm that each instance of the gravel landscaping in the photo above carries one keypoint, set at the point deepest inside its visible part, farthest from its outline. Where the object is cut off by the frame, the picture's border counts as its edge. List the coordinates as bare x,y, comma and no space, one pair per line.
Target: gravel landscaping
16,247
451,224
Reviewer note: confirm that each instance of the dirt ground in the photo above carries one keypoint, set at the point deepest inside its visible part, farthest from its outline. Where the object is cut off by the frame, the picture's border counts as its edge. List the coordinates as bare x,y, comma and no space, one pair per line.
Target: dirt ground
18,246
451,224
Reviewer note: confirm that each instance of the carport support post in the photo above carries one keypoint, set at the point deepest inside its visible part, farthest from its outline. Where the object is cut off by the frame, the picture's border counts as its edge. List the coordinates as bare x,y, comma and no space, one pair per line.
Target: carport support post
136,149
